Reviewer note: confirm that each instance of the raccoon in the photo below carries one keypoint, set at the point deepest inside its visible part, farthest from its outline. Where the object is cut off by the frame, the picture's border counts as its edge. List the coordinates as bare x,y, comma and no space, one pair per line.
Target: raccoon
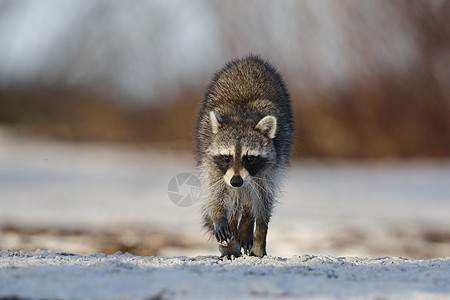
243,140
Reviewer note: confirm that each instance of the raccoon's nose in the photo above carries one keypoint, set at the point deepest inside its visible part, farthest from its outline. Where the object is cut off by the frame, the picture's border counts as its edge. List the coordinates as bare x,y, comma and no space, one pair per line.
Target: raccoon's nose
236,181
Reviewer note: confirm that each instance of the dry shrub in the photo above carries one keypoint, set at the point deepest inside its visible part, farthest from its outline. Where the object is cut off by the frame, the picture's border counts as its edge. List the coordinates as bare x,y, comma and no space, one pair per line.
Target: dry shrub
374,121
88,117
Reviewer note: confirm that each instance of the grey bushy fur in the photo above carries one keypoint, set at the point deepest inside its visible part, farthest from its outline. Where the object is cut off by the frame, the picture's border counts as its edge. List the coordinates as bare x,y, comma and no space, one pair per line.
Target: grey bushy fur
243,140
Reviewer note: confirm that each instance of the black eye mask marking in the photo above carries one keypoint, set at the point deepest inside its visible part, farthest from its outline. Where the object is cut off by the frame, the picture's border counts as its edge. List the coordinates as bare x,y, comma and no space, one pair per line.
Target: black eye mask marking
223,162
254,164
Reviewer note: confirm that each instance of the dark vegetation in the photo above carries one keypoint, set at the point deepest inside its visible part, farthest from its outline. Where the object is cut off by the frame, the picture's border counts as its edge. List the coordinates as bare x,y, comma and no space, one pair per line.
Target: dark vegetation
92,117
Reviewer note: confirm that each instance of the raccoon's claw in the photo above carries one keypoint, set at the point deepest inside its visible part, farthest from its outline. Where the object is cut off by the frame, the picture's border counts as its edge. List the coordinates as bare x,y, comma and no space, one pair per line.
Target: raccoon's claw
223,234
246,242
247,248
228,257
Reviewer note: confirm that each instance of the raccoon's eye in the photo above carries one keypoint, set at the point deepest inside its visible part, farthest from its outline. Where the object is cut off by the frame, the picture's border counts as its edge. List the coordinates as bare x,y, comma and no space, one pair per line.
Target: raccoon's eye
226,158
249,158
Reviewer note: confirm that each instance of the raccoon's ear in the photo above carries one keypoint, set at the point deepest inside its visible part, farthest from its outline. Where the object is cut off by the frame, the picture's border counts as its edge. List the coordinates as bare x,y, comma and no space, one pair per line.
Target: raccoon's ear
268,126
215,121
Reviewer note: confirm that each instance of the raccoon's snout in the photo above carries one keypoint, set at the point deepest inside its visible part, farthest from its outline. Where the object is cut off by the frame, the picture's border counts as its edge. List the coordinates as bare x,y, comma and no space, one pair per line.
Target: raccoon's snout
236,181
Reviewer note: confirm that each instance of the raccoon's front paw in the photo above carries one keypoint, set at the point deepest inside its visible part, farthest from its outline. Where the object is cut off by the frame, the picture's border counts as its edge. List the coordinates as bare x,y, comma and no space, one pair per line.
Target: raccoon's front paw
223,232
230,251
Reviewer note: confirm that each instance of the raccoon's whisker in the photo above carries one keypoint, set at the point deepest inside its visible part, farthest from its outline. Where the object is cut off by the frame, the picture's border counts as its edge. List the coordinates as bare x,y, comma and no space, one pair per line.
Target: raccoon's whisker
258,186
258,194
236,200
269,186
254,191
213,185
262,187
262,179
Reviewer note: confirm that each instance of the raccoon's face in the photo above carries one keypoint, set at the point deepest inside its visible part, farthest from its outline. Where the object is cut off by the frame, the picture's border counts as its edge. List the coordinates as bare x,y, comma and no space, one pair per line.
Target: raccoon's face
241,151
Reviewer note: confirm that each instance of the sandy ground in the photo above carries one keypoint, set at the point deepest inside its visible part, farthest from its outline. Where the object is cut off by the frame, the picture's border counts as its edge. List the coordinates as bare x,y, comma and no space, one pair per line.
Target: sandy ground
48,275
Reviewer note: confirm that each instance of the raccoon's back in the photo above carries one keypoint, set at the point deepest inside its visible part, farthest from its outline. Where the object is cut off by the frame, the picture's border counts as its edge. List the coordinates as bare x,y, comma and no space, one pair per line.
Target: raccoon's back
235,89
244,80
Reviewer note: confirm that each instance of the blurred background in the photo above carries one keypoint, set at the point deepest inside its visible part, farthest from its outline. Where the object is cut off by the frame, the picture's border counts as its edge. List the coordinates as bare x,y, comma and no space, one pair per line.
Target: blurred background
98,100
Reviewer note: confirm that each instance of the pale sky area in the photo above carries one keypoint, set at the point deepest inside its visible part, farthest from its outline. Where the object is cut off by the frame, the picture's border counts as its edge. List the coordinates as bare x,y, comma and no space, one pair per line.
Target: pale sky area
146,49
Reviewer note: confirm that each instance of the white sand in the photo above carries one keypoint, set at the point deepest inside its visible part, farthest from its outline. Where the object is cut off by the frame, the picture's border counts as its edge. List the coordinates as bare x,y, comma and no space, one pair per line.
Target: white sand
48,275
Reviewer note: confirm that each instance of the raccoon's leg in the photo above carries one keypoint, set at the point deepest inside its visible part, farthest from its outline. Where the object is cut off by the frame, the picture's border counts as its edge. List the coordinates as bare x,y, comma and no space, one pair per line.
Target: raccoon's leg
215,218
231,247
245,232
217,211
259,241
219,228
262,217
